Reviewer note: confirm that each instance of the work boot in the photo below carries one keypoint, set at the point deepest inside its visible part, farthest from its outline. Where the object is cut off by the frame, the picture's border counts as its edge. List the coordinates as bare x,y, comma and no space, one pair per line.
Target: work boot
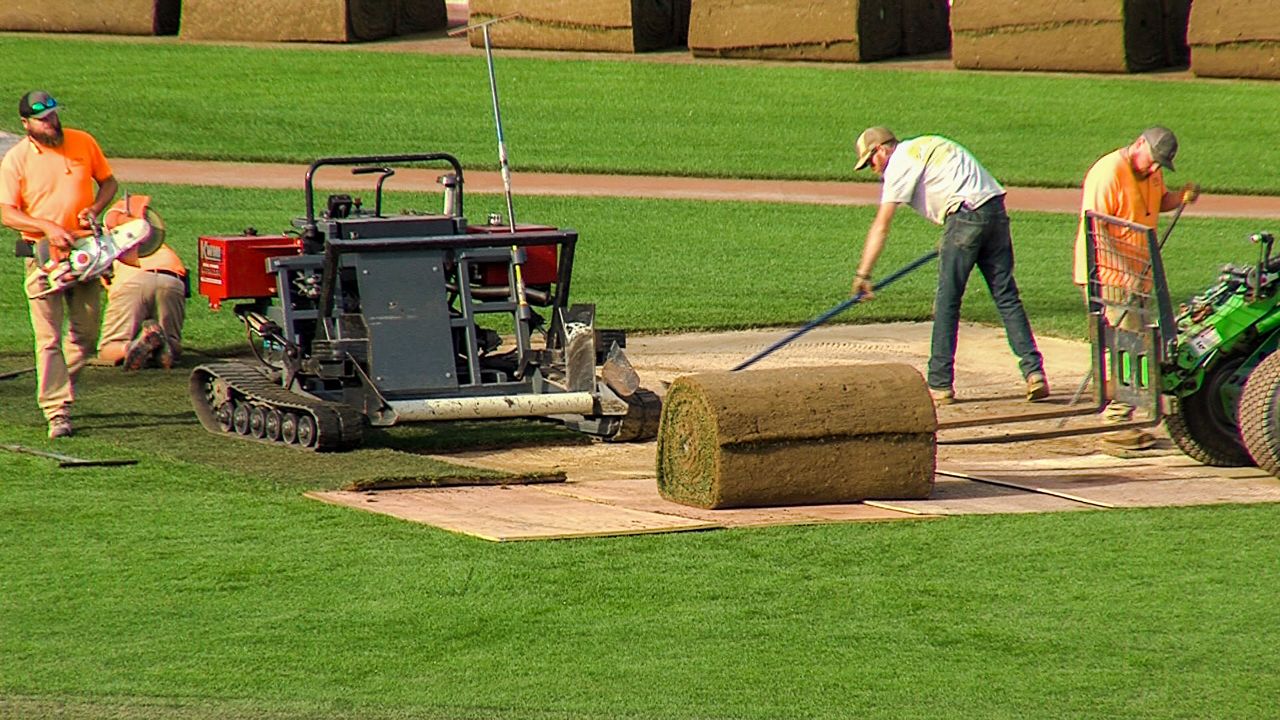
1130,440
1037,387
942,396
59,426
164,356
1116,413
144,346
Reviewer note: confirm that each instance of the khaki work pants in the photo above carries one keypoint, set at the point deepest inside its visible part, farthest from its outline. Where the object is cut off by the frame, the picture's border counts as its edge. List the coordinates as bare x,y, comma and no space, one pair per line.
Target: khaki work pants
143,296
59,354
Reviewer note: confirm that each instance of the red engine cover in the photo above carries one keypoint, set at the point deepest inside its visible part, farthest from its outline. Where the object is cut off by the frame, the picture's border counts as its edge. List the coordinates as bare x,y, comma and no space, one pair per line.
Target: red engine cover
235,268
541,262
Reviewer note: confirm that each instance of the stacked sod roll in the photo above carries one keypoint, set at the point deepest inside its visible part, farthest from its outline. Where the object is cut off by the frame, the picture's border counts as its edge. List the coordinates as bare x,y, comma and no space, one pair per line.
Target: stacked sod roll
623,26
1235,38
111,17
797,436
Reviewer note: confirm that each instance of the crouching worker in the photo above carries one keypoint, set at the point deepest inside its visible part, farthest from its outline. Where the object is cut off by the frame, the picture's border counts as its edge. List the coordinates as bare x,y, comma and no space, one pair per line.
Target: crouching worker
146,305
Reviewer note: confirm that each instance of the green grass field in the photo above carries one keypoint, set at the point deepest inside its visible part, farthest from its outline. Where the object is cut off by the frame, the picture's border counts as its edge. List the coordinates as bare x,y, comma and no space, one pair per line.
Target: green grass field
201,584
704,119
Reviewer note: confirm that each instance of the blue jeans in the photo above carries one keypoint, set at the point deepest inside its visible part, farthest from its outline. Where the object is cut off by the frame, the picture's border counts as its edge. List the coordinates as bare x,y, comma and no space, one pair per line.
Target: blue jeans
978,237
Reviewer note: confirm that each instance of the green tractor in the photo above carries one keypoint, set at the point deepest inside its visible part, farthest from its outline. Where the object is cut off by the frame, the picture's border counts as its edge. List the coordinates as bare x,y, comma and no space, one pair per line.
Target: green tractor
1208,371
1222,372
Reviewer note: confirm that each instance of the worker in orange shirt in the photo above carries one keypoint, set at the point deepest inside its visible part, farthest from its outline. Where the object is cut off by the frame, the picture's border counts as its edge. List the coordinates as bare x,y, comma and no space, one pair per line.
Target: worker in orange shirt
1128,183
146,306
47,193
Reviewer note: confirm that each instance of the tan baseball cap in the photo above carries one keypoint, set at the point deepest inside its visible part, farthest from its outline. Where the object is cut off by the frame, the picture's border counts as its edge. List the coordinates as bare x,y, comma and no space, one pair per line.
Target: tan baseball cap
1163,144
868,141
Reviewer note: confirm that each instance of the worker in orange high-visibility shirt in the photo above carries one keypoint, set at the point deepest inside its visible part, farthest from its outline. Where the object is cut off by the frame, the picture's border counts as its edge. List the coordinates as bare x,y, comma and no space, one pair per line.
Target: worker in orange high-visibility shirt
146,306
1128,183
47,193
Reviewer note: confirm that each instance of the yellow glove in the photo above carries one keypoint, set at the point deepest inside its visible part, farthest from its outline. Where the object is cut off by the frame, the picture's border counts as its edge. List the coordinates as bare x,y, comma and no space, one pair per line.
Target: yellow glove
1190,192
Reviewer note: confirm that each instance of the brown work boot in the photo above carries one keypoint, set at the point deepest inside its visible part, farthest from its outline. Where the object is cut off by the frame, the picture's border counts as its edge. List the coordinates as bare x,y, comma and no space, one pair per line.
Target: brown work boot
1130,440
1116,413
1037,387
144,346
942,396
165,355
59,426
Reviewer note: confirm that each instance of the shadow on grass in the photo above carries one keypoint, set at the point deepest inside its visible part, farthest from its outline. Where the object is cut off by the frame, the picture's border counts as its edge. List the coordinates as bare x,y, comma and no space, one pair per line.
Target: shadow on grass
148,415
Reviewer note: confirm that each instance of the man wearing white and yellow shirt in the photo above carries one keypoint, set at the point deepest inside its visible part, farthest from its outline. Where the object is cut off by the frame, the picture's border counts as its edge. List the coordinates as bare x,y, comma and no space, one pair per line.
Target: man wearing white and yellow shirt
943,182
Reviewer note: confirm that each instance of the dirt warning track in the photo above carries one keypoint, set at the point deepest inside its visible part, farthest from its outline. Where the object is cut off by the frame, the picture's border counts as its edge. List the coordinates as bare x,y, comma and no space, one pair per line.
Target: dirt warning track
810,192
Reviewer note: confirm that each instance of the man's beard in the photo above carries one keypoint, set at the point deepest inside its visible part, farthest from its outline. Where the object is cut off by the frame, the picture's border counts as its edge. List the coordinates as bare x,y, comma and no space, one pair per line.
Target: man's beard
52,138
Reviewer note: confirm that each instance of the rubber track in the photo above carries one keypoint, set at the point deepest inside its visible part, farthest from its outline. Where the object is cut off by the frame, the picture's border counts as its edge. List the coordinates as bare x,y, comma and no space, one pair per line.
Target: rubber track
338,427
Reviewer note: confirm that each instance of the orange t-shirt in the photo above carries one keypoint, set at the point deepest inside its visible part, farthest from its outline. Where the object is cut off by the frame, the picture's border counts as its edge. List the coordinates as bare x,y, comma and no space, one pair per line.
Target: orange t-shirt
164,258
1113,188
53,183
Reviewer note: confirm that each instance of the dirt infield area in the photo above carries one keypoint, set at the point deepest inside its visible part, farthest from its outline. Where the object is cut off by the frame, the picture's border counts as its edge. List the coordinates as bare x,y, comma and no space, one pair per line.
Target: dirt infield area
611,488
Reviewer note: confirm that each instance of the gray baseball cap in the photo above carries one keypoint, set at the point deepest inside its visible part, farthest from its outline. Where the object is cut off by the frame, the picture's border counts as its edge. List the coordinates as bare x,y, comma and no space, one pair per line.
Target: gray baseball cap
1163,144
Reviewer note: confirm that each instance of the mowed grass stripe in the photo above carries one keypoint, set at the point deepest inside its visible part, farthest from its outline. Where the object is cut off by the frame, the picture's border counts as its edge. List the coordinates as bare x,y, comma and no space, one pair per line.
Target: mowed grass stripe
702,119
668,265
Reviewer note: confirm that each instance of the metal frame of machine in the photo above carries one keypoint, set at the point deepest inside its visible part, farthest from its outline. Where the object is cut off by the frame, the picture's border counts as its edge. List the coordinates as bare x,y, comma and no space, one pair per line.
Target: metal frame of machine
387,319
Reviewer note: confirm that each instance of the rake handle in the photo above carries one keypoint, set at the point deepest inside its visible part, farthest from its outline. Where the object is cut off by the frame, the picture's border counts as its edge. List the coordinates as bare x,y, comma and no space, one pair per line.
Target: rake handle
845,305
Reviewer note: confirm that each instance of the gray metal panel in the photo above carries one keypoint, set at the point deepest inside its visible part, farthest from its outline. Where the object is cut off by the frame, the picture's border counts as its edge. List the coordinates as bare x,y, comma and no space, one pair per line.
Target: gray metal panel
406,307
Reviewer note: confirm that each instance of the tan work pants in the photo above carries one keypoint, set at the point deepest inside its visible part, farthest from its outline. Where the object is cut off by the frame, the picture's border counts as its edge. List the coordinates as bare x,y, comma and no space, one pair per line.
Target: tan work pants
59,354
142,296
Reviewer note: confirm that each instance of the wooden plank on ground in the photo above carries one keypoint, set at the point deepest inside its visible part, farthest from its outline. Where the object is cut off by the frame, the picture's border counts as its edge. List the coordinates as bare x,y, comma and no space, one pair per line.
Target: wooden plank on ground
508,513
642,495
1160,481
954,496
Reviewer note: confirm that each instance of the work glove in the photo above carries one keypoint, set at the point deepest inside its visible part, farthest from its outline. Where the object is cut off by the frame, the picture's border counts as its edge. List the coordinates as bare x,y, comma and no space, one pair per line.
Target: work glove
862,286
1190,192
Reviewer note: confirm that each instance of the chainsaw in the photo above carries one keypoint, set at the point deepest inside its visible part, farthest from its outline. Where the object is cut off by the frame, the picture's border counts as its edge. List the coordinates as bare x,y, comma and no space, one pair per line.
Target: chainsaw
126,237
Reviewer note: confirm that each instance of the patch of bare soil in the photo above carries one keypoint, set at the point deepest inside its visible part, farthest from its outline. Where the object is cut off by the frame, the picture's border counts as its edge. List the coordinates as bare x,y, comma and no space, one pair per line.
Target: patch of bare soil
987,384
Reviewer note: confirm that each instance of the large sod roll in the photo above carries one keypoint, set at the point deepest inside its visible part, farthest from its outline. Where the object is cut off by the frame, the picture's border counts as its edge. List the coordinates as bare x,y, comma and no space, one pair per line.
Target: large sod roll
926,26
797,436
595,25
111,17
830,30
308,20
1085,35
1235,38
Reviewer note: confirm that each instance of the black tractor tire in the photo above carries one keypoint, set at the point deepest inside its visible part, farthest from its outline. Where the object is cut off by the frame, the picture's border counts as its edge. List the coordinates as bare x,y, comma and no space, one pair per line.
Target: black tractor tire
1260,414
1203,429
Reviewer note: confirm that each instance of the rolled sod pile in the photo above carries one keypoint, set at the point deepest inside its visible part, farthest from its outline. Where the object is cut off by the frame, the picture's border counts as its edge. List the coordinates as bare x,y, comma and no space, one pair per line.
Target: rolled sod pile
797,436
926,26
831,30
309,20
110,17
1235,38
1084,36
595,25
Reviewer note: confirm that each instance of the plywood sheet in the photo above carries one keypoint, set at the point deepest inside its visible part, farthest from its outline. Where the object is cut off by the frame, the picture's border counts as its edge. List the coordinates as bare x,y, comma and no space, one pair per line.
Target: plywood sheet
642,494
506,514
954,496
1159,481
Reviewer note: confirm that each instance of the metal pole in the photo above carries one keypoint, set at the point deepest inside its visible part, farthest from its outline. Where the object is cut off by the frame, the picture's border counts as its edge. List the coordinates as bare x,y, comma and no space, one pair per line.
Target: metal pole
504,166
824,317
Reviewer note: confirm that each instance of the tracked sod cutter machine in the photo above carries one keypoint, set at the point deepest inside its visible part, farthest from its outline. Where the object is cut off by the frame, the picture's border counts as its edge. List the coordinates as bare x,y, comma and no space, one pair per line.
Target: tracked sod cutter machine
363,317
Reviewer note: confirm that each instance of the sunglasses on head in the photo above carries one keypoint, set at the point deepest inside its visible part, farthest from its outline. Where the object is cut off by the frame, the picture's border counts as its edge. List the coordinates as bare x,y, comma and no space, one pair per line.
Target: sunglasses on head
41,106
